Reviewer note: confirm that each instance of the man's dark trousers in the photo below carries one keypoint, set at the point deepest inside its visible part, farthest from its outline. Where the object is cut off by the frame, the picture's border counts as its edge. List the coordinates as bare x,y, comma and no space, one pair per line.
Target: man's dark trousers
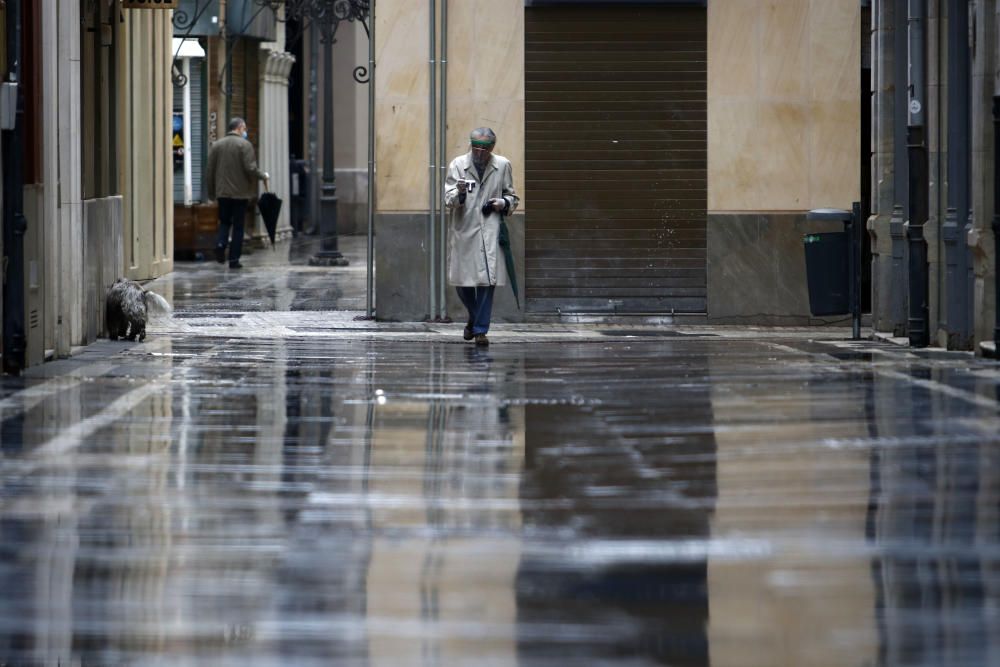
232,213
479,302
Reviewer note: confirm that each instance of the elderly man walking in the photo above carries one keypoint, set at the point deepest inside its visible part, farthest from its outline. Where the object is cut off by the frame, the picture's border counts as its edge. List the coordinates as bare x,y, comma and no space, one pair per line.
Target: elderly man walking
479,190
232,176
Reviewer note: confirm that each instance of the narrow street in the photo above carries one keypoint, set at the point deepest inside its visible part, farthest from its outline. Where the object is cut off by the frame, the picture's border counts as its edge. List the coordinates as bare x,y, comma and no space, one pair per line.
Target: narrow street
269,481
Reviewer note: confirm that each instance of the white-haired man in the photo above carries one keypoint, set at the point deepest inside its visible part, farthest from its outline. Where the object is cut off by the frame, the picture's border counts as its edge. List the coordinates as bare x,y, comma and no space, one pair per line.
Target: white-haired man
479,189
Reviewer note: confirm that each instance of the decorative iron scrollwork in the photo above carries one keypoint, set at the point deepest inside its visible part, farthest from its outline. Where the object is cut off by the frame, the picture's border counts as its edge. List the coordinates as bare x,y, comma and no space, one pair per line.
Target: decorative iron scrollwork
184,22
323,15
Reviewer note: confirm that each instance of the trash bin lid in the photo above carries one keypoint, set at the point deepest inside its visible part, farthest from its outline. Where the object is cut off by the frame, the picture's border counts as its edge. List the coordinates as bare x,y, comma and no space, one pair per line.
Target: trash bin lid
820,214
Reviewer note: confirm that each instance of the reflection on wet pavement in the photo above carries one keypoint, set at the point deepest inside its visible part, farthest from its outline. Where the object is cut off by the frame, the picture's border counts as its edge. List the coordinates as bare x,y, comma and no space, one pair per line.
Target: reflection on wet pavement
276,279
687,500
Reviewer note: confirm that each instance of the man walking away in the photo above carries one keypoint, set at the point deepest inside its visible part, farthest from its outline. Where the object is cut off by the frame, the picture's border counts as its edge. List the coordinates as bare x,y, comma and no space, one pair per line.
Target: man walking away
232,177
479,189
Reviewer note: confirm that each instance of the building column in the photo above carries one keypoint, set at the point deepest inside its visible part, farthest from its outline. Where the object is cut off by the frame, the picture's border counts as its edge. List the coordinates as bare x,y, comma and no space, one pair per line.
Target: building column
980,236
273,133
61,122
883,184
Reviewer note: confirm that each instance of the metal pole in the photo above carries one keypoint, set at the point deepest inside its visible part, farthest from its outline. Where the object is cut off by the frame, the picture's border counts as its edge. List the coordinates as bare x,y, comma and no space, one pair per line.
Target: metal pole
443,162
371,165
896,289
917,151
854,266
330,254
432,168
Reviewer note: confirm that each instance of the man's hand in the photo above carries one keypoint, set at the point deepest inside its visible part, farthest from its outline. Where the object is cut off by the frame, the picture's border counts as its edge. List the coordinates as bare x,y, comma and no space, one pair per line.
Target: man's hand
499,204
463,187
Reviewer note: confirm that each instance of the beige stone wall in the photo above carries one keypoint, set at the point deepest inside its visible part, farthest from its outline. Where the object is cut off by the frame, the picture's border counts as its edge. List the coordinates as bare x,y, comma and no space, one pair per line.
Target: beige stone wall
146,169
783,95
485,88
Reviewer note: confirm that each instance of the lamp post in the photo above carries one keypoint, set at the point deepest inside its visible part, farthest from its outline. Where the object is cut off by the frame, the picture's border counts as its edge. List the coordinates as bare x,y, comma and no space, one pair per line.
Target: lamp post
323,17
329,254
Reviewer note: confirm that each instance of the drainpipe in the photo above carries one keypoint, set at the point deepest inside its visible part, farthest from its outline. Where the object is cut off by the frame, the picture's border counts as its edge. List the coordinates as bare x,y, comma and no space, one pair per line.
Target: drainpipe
996,223
896,291
432,168
953,231
917,154
443,162
370,305
14,223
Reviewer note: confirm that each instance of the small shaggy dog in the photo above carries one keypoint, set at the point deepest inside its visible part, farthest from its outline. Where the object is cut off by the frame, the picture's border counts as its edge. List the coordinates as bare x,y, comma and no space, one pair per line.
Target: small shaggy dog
126,309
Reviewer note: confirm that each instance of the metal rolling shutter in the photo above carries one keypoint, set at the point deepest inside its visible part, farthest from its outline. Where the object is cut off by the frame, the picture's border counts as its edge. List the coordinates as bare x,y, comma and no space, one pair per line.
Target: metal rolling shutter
197,147
615,159
197,126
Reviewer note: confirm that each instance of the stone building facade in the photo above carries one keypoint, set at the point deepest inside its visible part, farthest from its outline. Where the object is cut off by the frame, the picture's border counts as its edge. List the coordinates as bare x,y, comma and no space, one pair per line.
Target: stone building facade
95,179
953,88
726,135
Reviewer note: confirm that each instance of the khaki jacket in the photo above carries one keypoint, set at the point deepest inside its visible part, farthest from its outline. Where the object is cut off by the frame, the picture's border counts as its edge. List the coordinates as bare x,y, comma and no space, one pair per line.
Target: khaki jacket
232,169
472,237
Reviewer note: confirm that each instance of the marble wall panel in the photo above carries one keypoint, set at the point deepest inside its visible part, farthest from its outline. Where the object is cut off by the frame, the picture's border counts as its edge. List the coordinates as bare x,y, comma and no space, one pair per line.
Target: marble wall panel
401,257
834,50
756,268
732,156
784,48
402,159
485,88
733,40
781,155
834,173
773,59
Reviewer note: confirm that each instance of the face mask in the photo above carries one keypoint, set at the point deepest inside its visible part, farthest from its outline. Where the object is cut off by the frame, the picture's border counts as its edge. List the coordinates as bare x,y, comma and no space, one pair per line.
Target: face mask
245,135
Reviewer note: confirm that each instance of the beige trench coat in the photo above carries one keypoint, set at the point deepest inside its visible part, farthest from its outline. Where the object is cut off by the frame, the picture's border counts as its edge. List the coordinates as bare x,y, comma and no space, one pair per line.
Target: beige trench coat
474,256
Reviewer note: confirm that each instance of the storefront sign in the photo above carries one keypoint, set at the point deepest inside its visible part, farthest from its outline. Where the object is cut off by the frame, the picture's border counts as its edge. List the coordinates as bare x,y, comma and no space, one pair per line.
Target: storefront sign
150,4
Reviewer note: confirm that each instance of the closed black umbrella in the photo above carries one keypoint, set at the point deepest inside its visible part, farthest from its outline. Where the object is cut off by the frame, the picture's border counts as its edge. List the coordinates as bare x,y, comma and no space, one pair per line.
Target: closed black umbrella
269,206
508,257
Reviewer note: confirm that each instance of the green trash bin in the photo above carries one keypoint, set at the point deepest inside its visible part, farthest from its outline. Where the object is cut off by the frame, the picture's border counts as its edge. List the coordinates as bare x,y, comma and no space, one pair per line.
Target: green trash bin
827,273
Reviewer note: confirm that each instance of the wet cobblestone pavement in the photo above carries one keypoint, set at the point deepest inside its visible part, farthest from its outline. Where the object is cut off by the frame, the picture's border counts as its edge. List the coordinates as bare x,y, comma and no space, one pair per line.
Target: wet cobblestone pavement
302,489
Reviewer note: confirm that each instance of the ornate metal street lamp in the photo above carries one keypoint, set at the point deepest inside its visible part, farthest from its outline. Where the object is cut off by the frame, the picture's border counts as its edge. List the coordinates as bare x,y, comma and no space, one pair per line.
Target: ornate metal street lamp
323,16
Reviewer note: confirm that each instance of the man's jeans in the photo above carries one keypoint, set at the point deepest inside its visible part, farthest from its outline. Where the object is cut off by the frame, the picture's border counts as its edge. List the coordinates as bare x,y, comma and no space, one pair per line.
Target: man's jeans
479,302
232,213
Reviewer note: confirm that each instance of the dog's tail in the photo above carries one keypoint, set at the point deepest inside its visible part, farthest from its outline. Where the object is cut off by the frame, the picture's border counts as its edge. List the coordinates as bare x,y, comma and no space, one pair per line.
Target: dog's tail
161,304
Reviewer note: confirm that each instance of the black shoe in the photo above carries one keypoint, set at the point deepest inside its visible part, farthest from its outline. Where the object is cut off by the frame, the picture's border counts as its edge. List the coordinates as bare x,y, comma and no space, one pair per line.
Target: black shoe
235,265
220,255
467,333
482,340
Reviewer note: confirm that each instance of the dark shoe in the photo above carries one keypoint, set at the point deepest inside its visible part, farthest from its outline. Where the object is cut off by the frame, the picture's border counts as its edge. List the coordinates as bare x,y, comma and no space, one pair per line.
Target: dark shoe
467,333
220,255
482,340
235,265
